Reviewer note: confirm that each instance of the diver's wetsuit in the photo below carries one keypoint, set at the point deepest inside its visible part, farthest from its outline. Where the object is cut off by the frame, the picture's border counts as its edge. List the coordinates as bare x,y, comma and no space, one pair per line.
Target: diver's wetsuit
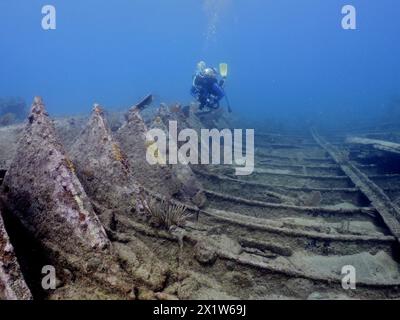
205,88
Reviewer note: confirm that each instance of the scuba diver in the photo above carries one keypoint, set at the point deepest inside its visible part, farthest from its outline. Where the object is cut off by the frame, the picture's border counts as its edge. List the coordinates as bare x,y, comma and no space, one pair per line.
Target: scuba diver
206,88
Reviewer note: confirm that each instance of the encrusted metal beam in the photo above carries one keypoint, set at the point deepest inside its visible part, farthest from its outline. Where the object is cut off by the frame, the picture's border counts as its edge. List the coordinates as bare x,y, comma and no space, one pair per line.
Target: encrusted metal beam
377,144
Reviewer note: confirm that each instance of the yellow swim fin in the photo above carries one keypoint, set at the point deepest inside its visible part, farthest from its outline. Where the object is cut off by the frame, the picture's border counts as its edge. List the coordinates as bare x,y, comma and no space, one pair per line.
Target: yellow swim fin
223,70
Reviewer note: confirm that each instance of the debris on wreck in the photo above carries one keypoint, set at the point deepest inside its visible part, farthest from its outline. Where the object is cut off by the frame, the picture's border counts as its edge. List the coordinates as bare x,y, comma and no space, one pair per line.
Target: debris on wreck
51,204
251,242
49,172
12,283
102,167
192,190
107,176
185,117
387,210
132,139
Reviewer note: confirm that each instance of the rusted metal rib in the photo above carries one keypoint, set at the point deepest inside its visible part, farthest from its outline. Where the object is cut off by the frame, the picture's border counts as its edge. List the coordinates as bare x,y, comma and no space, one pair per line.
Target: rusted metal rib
254,223
298,166
268,186
292,175
262,156
313,210
387,210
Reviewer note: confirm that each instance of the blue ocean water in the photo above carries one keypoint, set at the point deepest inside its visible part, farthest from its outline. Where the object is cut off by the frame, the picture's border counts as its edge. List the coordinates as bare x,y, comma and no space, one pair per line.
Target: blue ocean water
287,58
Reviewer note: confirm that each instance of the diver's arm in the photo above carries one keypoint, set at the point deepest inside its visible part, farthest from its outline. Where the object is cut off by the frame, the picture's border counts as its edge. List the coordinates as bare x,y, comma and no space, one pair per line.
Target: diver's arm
194,92
194,80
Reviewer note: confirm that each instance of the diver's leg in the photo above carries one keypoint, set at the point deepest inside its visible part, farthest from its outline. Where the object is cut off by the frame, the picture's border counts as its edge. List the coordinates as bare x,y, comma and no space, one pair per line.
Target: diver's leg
218,92
203,101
